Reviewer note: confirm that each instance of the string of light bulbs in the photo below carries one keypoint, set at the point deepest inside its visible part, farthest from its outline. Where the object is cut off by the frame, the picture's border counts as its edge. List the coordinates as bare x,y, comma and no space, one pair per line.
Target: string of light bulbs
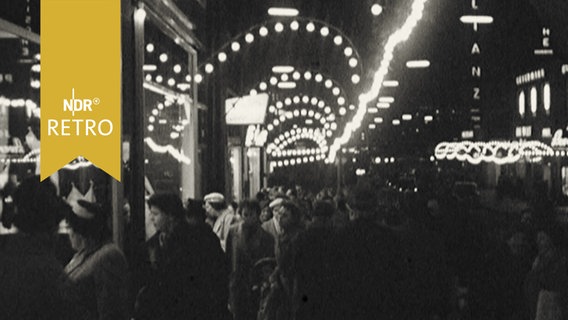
394,40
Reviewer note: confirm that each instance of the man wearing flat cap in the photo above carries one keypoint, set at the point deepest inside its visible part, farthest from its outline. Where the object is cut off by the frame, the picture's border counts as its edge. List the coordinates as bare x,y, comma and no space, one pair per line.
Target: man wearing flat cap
272,226
219,216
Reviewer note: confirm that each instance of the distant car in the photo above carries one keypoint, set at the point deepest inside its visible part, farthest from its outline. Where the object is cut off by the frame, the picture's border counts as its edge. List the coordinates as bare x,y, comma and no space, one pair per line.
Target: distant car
466,191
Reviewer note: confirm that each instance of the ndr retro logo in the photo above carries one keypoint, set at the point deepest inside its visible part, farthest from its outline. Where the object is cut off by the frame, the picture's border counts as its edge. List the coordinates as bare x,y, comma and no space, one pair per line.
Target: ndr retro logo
83,126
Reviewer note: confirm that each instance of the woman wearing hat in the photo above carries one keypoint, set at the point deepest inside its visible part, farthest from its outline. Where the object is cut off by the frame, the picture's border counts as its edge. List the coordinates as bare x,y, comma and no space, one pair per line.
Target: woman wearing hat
191,276
96,287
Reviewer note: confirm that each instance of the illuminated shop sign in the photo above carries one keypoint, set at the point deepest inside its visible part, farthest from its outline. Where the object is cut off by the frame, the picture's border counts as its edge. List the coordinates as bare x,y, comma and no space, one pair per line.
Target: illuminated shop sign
530,76
475,20
255,137
499,152
558,141
545,50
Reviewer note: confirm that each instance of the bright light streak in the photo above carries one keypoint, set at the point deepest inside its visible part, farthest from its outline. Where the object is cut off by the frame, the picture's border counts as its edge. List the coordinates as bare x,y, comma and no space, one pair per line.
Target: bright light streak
372,110
383,105
378,120
167,149
283,12
282,69
386,99
390,83
395,39
395,122
149,67
406,117
287,85
417,64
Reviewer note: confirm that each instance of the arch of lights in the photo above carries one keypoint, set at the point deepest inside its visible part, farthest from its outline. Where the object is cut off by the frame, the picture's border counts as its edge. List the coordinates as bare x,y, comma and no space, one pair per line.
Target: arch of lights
304,113
264,29
278,151
290,136
499,152
327,82
394,40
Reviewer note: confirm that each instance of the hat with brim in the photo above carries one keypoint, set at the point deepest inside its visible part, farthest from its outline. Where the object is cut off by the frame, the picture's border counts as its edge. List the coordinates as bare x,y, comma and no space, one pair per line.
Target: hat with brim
214,197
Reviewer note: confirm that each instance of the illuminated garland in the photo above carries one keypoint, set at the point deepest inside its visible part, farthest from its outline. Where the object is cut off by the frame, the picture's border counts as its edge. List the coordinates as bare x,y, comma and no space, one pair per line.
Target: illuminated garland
167,149
296,161
286,138
265,28
296,152
499,152
396,38
330,84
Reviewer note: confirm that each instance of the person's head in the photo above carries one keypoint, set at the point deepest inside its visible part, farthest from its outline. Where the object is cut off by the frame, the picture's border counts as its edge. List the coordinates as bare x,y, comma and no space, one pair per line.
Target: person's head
290,215
250,211
276,207
195,211
166,210
265,214
34,207
214,204
88,224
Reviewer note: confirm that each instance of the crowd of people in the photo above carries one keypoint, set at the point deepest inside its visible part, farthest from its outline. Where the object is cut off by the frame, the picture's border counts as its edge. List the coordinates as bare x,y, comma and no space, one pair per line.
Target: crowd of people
284,255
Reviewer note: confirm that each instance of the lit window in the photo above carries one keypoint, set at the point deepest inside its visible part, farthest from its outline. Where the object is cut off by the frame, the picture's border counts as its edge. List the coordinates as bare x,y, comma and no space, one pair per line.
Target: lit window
533,100
546,97
522,103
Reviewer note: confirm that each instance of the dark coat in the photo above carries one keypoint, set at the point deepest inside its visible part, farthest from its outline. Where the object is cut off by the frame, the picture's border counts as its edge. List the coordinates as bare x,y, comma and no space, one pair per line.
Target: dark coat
245,247
97,284
191,280
31,279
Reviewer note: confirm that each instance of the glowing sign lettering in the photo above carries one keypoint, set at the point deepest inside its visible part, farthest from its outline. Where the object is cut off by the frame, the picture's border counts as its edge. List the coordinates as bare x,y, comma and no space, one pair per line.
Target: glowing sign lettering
499,152
558,141
475,49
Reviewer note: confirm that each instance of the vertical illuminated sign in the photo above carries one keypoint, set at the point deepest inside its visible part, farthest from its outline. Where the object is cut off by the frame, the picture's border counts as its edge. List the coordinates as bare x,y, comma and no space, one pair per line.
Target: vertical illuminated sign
475,19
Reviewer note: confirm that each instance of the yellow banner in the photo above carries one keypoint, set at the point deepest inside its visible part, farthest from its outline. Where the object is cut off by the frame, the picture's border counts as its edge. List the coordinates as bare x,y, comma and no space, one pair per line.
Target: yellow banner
80,84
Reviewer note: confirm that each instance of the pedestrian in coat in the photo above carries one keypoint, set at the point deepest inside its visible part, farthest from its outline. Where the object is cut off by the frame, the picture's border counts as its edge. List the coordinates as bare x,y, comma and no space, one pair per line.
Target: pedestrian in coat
97,284
191,278
247,243
220,216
